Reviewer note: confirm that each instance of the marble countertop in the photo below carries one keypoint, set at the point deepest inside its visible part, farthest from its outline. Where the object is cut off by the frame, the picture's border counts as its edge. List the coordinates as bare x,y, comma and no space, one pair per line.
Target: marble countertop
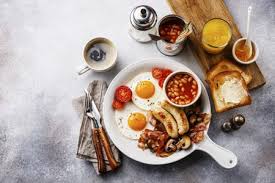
41,45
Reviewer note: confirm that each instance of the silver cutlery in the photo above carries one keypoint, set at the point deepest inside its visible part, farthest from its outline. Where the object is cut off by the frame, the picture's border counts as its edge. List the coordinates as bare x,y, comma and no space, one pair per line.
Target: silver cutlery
95,134
94,114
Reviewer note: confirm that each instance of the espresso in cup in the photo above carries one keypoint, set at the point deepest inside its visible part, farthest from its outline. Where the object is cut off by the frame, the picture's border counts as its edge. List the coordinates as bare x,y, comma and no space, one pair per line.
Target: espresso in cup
100,55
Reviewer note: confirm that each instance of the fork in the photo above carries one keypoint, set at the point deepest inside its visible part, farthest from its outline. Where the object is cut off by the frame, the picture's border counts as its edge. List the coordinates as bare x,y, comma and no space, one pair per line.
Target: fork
95,134
102,134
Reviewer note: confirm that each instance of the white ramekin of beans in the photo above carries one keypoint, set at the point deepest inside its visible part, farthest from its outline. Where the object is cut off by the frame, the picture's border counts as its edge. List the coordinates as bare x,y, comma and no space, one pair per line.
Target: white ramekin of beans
182,88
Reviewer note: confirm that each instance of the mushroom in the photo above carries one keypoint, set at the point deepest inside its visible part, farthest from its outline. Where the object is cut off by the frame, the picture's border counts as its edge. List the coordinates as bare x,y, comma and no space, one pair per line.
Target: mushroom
184,143
206,118
170,146
193,119
142,145
165,154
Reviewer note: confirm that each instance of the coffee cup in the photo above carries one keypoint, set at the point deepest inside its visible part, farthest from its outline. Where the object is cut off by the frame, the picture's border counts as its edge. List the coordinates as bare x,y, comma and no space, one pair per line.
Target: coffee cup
100,54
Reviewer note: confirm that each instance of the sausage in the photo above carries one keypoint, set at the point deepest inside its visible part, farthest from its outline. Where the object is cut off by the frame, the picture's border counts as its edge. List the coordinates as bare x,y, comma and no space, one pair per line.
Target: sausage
167,120
150,118
179,115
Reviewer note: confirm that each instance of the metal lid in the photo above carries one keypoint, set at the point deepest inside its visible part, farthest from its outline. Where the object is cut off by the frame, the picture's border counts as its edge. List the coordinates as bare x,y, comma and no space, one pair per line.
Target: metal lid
143,17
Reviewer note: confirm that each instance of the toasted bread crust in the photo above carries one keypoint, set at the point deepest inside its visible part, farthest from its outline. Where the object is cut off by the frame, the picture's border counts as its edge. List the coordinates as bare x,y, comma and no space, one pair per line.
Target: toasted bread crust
218,80
226,65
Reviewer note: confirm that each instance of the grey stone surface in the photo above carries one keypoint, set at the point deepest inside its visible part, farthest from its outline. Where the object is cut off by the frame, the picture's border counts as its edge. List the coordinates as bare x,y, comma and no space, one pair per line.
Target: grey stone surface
41,44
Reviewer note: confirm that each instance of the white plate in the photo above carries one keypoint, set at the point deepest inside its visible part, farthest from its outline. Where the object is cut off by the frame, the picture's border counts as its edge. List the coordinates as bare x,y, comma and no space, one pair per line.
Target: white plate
127,146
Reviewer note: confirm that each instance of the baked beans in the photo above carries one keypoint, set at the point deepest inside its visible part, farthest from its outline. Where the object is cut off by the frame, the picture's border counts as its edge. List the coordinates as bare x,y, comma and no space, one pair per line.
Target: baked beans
181,89
170,31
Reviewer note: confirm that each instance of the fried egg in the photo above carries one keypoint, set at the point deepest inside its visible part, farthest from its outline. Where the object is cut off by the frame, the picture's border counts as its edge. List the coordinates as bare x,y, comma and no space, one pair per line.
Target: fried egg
145,89
131,121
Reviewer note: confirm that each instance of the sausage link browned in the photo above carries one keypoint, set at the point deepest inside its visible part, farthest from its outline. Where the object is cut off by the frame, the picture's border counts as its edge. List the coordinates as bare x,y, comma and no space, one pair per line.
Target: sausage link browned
179,115
167,120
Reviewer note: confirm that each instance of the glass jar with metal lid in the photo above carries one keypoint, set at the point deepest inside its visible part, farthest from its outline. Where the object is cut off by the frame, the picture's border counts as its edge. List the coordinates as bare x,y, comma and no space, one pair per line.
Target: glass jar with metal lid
143,20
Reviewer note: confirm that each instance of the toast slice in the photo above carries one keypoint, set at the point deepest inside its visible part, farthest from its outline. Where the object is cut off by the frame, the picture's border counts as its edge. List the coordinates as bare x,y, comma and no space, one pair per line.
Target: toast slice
226,65
229,91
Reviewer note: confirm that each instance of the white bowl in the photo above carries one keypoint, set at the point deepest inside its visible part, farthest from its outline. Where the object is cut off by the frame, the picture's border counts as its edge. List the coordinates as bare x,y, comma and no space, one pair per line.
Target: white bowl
256,49
182,72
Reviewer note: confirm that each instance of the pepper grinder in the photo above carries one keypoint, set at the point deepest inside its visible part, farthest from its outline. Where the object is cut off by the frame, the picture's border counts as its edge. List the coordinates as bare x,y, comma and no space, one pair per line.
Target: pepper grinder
234,123
226,126
237,121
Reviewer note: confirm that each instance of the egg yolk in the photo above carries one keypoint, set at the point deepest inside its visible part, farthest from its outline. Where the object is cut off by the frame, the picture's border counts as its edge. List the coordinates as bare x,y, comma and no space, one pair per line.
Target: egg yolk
137,121
145,89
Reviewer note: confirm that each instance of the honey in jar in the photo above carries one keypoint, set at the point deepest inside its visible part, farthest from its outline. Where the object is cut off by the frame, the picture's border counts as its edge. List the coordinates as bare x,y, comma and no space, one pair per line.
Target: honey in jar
216,35
242,51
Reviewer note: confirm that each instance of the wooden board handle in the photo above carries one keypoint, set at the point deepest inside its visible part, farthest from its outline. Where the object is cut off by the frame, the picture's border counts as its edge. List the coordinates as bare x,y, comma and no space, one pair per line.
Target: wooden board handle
106,144
98,149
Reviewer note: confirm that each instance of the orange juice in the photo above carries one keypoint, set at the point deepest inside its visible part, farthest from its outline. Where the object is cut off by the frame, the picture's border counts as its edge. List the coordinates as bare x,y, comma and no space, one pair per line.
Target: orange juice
216,35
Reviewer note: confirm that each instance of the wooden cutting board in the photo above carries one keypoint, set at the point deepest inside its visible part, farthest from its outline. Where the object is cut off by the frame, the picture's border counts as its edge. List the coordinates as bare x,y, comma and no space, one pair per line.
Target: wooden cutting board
199,12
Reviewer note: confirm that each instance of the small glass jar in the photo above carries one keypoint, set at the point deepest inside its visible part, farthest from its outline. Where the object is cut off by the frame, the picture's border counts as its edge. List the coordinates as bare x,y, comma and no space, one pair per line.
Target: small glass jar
216,35
143,20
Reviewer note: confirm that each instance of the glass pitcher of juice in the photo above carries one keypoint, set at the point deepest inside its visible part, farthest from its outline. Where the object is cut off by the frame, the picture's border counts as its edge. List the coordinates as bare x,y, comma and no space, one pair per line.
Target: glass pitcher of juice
216,35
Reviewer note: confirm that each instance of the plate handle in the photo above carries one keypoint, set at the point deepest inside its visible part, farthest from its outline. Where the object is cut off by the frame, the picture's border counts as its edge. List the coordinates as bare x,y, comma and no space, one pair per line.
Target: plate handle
222,156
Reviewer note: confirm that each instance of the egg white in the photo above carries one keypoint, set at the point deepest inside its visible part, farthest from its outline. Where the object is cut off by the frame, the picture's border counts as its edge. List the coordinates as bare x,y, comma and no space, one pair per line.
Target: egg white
121,118
145,104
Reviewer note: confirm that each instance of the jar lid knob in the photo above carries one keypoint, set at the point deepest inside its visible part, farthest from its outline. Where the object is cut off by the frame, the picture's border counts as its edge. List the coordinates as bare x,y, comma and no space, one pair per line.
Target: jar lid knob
143,17
143,12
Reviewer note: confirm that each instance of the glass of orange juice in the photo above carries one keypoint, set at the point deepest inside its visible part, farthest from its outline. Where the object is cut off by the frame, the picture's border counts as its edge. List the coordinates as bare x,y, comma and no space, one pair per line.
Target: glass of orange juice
216,35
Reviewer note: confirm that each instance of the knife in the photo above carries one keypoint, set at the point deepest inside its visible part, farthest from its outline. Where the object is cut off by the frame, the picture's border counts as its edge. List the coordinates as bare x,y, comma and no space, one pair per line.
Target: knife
98,148
95,134
103,137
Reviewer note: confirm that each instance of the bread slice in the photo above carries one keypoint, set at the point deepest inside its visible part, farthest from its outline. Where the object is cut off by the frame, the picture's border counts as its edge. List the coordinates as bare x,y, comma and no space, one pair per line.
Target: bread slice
229,91
226,65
